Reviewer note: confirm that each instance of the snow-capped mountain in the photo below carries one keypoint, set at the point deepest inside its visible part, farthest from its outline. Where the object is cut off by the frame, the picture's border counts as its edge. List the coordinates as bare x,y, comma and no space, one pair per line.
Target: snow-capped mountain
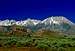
7,22
31,22
57,20
57,23
48,21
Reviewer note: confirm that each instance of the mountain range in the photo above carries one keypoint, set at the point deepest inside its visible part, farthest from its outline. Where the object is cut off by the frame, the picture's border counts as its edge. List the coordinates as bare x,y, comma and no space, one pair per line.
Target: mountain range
49,20
54,23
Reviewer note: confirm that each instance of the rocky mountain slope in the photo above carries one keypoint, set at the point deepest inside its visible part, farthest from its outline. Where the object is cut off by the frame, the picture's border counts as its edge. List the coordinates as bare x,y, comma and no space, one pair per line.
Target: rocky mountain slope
57,23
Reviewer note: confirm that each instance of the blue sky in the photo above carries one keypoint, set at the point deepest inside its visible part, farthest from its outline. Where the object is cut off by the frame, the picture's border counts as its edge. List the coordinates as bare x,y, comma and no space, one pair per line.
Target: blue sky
36,9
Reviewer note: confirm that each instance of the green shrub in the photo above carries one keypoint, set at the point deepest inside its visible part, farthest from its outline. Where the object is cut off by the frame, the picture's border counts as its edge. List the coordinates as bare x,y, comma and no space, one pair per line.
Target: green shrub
41,42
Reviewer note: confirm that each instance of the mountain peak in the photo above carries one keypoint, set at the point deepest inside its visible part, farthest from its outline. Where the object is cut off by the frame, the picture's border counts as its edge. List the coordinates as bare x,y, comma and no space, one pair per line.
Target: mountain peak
57,20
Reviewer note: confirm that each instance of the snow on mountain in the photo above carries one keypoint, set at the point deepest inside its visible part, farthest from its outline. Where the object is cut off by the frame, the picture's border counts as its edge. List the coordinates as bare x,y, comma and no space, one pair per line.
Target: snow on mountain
50,20
54,23
33,21
7,22
28,22
57,20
